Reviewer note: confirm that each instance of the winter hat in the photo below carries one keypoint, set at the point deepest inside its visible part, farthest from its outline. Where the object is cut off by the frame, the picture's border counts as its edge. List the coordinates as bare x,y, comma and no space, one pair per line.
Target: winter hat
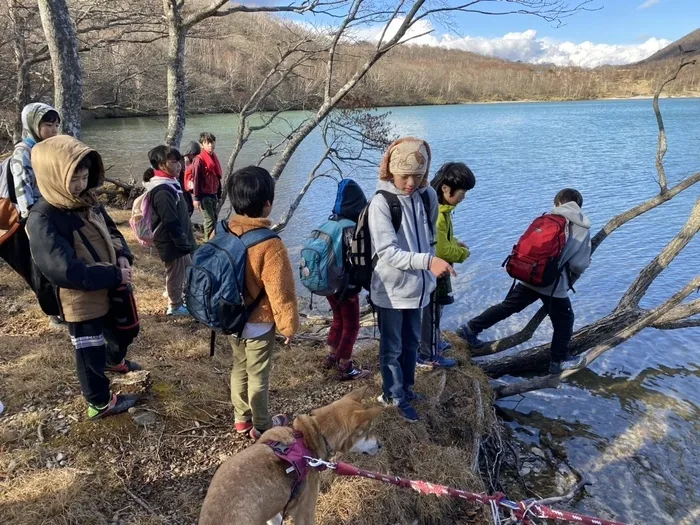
406,156
192,148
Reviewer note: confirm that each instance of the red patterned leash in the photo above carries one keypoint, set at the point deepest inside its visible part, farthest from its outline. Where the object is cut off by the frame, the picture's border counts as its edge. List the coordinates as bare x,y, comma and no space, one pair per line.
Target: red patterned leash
522,510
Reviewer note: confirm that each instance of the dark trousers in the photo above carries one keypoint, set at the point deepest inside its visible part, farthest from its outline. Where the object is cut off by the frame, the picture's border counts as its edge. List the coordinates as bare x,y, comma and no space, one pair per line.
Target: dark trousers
398,348
560,314
430,330
96,346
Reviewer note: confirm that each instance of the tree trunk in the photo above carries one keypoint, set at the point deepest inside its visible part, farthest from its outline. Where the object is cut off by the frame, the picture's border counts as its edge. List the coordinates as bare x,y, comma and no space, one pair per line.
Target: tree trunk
176,73
59,30
19,46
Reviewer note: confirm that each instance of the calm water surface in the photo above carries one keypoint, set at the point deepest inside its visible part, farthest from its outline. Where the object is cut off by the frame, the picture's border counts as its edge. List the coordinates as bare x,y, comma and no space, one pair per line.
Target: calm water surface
630,422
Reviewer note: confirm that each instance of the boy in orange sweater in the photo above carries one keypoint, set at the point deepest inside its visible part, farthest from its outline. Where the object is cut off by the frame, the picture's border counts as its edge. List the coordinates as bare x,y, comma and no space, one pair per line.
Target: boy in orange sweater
268,271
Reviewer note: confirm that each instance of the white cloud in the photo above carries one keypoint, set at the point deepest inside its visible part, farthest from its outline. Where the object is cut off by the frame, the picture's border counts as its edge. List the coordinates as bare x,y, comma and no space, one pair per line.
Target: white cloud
528,47
648,3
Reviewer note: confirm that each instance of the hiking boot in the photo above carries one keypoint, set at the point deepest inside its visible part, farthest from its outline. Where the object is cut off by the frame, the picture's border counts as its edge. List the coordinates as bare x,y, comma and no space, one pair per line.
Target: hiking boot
118,404
438,361
408,412
280,420
124,367
330,361
350,373
469,336
243,426
179,311
444,346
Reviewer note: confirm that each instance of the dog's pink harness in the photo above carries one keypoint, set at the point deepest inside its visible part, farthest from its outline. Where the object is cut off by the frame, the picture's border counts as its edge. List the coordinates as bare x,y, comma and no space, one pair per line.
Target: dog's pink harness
294,453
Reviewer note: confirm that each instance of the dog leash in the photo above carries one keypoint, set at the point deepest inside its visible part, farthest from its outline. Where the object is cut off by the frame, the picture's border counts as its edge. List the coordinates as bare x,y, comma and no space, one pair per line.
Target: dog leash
520,511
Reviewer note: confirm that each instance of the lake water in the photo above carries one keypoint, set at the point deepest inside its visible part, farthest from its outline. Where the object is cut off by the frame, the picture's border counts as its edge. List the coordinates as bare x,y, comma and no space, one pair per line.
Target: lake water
631,422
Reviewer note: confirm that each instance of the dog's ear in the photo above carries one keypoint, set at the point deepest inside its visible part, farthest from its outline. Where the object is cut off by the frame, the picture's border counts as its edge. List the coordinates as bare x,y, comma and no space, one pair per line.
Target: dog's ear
358,394
365,416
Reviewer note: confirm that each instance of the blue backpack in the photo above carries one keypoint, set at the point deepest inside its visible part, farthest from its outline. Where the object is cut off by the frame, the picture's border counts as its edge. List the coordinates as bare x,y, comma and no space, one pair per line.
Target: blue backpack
216,281
322,268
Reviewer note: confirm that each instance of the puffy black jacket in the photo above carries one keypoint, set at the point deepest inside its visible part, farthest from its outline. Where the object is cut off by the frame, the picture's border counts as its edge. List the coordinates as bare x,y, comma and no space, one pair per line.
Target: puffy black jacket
173,235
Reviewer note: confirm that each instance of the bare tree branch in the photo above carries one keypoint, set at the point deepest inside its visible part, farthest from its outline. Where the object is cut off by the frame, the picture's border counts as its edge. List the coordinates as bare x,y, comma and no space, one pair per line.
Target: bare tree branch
516,339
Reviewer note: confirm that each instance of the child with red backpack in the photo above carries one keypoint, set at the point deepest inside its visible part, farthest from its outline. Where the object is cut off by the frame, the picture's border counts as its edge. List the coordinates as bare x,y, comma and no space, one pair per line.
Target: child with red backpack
549,258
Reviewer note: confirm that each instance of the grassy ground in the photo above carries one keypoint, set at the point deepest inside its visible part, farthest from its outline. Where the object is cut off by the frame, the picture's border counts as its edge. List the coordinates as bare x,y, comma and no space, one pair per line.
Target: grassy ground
58,468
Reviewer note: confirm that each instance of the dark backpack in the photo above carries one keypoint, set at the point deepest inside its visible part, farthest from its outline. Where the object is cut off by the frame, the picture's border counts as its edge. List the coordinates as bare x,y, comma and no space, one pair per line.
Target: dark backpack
536,257
215,281
361,251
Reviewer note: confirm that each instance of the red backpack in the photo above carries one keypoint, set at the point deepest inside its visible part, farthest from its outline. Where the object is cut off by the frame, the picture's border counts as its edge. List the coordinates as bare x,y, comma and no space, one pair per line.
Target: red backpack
535,259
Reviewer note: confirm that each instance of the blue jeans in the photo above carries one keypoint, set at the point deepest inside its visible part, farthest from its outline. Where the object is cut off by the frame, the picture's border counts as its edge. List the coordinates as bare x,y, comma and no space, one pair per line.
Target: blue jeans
398,347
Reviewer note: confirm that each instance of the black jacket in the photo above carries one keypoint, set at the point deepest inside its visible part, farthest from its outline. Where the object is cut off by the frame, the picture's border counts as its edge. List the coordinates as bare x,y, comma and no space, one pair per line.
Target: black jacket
173,235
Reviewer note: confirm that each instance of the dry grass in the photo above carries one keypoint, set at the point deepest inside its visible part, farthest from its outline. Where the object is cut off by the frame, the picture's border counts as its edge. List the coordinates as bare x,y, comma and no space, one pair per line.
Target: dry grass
108,469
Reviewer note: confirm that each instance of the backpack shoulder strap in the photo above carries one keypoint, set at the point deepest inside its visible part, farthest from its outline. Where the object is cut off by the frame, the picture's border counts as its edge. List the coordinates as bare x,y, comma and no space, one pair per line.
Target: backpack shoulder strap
221,227
425,197
256,236
394,208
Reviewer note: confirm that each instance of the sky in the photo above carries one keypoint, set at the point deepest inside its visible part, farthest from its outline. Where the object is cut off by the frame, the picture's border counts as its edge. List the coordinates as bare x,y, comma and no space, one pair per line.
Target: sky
619,32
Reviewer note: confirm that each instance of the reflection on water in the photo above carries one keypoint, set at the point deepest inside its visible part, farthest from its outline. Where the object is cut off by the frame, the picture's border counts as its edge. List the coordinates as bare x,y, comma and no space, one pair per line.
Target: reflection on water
631,422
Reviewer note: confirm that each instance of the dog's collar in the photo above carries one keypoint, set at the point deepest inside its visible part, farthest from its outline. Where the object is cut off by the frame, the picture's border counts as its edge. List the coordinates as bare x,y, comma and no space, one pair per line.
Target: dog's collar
329,449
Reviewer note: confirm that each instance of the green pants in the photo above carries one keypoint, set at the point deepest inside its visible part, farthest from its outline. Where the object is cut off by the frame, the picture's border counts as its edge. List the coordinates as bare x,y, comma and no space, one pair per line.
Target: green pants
209,205
250,379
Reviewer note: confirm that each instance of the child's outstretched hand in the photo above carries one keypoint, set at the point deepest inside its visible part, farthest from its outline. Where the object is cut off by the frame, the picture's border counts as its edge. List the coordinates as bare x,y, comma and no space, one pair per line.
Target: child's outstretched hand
123,263
440,267
126,275
462,245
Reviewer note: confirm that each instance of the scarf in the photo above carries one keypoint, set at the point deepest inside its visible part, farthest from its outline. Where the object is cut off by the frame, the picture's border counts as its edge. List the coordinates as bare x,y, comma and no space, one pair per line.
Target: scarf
211,163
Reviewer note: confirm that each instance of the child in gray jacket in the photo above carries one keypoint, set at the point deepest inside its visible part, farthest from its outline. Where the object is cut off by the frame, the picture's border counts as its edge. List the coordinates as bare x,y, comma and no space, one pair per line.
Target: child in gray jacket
574,260
406,267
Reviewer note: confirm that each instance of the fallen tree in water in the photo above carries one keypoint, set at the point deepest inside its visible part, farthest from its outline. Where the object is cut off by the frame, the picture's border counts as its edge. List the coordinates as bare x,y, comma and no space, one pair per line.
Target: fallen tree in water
627,318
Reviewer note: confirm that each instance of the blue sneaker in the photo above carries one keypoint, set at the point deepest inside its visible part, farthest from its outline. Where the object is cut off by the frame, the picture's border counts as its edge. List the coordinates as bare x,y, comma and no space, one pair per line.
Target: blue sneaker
469,336
179,311
408,412
439,361
444,346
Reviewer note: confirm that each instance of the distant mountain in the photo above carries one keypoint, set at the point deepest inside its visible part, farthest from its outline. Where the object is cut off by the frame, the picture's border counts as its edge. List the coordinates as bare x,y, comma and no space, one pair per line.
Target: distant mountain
690,42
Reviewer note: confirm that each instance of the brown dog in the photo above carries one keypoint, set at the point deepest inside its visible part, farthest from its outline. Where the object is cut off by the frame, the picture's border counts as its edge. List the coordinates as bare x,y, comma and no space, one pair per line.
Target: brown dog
253,487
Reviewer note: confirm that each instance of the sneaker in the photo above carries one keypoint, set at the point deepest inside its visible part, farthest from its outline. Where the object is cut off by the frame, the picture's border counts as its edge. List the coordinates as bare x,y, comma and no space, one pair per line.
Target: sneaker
469,336
414,396
179,311
350,373
386,402
124,367
118,404
330,361
408,412
56,323
243,426
280,420
438,361
444,346
573,363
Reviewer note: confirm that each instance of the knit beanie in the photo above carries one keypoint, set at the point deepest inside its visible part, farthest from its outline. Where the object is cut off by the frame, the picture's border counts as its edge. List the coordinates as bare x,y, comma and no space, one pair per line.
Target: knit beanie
406,156
192,148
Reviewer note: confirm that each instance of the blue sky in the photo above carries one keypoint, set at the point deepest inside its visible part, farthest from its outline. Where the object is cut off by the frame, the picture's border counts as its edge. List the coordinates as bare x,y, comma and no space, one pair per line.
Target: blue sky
614,32
618,22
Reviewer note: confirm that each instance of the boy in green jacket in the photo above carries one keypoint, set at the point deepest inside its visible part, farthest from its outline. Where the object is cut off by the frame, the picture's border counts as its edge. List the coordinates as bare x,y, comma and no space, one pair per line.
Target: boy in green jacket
451,183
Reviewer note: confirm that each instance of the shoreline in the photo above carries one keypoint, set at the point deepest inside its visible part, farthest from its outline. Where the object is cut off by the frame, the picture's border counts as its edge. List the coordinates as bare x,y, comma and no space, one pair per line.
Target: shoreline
91,116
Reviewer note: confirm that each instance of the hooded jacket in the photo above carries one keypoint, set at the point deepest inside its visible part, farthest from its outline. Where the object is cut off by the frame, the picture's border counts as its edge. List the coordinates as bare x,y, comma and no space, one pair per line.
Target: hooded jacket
173,235
402,279
350,200
73,241
26,189
576,256
447,247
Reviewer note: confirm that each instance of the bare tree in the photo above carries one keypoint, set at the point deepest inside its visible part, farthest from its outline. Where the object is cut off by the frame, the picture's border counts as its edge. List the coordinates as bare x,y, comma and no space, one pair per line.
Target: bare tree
627,318
67,69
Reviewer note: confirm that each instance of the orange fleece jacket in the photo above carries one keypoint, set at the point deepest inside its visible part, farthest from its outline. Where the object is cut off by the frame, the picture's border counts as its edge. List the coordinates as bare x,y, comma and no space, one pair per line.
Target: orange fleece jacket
268,268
